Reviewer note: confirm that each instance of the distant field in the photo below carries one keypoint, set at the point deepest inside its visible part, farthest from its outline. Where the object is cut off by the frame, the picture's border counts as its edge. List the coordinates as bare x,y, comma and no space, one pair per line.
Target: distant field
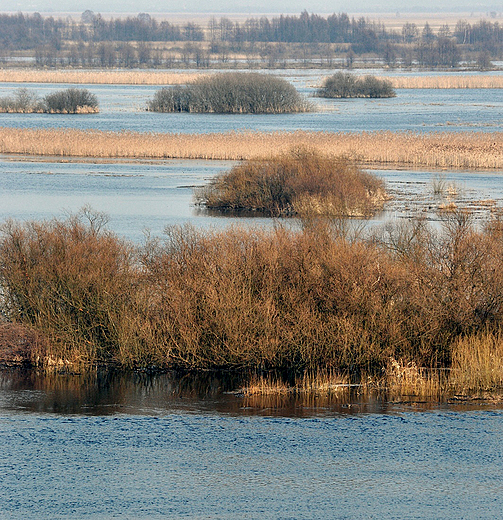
390,20
456,150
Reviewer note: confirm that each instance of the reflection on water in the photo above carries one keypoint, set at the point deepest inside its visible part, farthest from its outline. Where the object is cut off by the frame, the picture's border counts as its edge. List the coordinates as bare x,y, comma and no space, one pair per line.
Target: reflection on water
112,445
109,392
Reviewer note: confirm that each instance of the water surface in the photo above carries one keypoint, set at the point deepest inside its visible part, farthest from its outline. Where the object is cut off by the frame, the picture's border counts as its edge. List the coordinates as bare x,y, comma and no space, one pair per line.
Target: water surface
151,447
122,107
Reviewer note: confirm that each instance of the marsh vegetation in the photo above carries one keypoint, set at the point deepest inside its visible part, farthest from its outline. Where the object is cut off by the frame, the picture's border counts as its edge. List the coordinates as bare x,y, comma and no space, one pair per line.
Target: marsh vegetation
347,85
231,93
301,182
68,101
455,150
296,299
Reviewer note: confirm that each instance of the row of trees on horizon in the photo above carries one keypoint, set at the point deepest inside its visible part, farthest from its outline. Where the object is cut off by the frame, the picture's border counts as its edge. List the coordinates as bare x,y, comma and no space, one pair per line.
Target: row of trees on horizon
445,47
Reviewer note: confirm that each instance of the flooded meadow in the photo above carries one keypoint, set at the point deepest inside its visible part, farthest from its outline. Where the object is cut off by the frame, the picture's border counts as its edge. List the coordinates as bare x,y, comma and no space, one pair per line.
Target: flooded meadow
143,444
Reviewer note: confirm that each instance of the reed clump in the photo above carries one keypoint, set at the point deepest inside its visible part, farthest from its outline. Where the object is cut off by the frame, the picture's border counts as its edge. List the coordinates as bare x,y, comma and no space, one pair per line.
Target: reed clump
313,298
68,101
231,93
455,150
302,182
347,85
477,362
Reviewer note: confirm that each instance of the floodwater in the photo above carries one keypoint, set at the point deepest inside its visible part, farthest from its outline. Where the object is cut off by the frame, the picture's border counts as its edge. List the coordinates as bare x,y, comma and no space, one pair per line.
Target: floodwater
117,445
122,107
138,446
150,195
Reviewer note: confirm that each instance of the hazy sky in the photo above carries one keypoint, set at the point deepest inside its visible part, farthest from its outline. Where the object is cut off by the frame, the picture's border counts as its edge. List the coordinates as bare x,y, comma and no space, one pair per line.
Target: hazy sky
252,6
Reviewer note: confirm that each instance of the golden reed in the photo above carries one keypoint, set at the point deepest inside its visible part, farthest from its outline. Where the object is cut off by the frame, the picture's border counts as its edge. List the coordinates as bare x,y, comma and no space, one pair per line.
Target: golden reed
442,82
456,150
98,77
126,77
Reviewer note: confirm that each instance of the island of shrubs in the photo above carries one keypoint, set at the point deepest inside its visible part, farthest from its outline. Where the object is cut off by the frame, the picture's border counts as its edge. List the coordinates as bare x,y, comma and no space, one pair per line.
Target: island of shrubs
302,182
69,101
347,85
231,93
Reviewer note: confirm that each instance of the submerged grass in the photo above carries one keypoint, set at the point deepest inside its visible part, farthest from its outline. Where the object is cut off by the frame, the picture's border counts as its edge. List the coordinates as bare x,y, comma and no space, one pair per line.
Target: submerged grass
457,150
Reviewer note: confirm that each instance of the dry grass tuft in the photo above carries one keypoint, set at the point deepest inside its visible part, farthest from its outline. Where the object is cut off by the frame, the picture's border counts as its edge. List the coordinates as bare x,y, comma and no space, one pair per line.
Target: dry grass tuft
477,362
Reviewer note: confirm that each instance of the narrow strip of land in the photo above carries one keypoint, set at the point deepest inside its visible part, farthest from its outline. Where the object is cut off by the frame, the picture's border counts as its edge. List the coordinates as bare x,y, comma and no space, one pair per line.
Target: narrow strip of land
97,77
138,77
454,150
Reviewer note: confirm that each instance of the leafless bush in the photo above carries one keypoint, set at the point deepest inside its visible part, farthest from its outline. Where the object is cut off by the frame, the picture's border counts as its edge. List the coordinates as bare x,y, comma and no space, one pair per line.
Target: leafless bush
232,93
301,182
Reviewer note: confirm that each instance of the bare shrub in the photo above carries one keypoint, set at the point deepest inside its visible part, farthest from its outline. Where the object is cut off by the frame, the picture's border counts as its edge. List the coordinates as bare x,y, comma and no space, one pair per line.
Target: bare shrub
69,280
302,182
281,298
231,93
71,101
347,85
23,101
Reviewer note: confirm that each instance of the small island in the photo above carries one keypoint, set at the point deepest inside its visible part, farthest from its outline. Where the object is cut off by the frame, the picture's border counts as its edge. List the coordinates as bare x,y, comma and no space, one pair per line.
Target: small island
231,93
347,85
302,182
68,101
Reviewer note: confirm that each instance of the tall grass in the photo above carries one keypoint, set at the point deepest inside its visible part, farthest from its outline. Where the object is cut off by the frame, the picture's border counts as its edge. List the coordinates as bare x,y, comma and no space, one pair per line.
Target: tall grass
231,93
446,82
478,361
456,150
105,77
301,182
306,299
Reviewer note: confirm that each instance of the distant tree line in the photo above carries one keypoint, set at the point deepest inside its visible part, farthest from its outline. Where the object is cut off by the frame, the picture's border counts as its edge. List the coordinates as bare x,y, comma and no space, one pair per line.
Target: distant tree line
93,40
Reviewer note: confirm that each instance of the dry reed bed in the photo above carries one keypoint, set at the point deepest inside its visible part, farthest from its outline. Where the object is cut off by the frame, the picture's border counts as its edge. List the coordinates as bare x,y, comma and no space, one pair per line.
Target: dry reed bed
439,149
98,77
174,78
442,82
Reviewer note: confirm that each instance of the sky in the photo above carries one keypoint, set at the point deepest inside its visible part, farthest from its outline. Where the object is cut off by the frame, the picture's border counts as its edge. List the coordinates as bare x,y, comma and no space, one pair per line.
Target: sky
252,6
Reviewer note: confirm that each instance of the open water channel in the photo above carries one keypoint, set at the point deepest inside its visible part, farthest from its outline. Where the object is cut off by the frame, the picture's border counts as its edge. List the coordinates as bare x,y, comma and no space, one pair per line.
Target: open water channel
112,445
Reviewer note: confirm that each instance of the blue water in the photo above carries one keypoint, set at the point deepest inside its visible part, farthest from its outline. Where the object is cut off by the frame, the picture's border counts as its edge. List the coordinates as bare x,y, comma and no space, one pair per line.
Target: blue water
150,195
156,447
123,108
138,446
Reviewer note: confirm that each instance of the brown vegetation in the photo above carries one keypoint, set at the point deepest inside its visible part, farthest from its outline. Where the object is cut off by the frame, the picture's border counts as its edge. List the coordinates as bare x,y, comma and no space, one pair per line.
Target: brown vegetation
310,299
300,182
440,149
